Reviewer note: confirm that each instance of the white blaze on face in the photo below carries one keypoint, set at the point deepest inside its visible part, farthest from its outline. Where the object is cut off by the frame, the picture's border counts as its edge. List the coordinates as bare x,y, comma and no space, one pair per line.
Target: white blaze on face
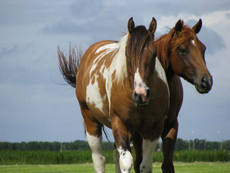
139,85
193,42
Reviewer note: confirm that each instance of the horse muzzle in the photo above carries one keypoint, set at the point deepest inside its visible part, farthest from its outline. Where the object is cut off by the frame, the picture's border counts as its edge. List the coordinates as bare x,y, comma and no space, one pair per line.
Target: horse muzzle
205,84
141,99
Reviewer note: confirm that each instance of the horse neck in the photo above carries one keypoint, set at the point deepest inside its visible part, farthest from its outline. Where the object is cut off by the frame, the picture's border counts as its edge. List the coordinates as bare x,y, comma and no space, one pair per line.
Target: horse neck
164,55
169,74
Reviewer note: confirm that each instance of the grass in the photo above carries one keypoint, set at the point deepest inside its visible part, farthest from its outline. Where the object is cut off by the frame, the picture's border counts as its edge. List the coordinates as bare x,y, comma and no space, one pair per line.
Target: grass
196,167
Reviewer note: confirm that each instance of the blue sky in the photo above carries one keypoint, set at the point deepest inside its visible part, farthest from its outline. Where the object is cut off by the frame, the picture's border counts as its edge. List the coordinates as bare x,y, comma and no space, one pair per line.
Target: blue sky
33,107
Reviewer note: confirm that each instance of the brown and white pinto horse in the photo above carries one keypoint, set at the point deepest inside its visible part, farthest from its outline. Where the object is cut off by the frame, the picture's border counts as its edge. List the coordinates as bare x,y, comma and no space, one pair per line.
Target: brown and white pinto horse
181,53
123,86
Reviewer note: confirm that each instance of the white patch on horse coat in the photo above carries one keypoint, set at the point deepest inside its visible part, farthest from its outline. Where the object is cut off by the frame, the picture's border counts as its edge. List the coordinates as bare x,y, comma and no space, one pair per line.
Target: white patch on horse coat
93,94
97,155
107,46
107,49
119,61
92,91
118,65
148,149
161,73
125,160
104,71
193,42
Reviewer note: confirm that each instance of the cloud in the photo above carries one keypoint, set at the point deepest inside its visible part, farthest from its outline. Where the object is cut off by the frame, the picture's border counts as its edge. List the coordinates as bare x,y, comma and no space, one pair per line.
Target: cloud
227,15
8,51
61,28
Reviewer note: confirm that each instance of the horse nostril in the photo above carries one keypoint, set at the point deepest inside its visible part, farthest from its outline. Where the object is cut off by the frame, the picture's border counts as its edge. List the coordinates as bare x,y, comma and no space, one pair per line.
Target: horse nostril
135,94
147,93
204,80
137,97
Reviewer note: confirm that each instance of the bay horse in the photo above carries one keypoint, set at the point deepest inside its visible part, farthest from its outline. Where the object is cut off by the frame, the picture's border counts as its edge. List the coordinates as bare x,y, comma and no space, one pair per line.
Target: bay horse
181,54
123,86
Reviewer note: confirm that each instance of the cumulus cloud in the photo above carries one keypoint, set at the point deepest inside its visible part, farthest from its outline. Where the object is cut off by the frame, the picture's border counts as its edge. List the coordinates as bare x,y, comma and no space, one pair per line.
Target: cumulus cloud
227,15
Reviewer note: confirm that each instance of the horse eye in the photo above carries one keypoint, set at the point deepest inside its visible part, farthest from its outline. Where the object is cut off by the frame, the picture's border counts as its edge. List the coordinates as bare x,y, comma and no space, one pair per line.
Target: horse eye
183,51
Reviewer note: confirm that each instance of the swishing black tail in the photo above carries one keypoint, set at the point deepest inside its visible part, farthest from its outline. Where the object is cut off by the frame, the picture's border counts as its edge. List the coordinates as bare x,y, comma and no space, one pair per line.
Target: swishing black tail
69,68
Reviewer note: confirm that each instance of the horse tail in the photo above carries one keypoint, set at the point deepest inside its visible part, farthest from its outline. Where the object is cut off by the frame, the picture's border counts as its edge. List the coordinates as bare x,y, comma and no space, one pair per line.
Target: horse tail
68,68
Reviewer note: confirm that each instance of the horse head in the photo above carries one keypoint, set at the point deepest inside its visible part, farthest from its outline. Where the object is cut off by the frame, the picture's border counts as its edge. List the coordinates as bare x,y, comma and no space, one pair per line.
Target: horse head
188,56
141,55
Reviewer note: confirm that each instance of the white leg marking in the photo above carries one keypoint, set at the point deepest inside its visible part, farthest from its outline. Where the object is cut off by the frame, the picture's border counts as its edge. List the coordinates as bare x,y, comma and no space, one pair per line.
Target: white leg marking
97,155
148,149
125,160
116,160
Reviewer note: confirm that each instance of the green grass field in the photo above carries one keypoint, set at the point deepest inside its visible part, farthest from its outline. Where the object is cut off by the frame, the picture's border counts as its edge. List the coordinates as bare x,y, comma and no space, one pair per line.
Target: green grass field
214,167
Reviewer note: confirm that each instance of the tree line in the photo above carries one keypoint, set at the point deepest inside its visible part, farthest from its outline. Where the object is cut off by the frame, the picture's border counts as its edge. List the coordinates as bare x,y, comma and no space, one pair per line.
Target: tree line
196,144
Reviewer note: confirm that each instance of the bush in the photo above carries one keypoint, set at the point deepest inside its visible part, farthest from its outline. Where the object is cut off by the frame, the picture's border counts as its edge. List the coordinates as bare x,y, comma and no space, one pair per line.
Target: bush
11,157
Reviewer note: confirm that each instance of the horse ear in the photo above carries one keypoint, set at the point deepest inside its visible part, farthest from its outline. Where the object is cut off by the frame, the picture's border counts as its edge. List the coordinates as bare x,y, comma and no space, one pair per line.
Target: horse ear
196,28
179,25
131,25
153,26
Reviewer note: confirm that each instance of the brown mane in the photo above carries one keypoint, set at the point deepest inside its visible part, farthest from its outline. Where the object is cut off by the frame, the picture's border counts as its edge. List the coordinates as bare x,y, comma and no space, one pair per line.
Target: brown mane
168,43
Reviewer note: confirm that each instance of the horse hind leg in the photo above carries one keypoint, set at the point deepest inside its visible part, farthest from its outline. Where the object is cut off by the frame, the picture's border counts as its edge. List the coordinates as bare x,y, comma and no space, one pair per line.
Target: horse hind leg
97,155
94,136
169,141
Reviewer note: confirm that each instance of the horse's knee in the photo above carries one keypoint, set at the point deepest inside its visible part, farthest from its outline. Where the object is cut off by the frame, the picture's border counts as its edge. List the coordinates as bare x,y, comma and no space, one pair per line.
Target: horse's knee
125,160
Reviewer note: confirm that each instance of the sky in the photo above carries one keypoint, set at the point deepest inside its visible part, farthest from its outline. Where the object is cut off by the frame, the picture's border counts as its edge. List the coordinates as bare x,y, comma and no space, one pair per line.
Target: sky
35,103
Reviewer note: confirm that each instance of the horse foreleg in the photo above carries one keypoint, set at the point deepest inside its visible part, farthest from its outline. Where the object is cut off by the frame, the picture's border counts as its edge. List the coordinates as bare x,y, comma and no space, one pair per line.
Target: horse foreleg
148,149
137,145
168,148
116,160
122,142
